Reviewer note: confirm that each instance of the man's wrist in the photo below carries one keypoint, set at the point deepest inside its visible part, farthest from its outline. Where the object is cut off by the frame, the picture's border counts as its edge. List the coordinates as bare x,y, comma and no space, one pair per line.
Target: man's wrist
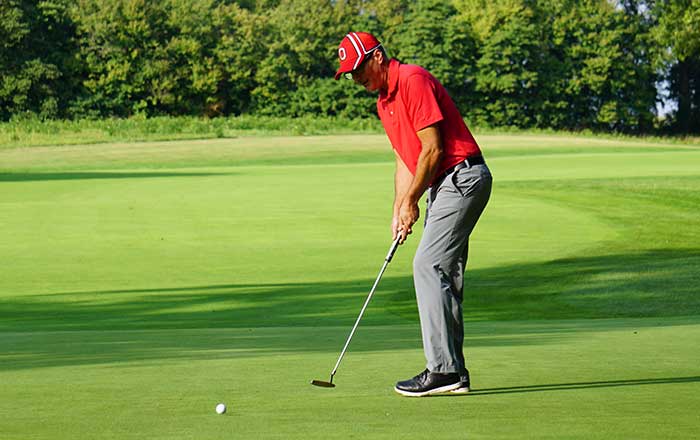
411,198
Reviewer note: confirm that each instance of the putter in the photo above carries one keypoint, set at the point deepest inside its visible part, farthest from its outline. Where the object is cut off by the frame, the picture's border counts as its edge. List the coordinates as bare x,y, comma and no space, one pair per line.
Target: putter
389,256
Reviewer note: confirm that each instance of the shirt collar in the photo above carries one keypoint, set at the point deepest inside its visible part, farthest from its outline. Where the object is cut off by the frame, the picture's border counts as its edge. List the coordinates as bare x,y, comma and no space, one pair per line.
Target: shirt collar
393,78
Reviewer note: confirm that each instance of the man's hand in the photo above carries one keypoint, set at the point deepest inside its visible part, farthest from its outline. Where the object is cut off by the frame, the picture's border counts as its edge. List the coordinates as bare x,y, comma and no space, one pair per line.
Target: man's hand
397,231
394,227
408,215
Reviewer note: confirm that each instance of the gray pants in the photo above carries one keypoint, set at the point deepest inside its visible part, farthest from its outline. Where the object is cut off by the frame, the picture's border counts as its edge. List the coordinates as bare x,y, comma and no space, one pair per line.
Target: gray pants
454,206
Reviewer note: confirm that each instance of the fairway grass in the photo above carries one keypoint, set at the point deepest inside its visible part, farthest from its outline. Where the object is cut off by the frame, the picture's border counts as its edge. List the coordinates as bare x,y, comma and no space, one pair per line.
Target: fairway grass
141,284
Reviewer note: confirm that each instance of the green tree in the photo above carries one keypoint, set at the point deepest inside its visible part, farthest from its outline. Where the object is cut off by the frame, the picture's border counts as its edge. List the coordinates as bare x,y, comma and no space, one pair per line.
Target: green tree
527,63
122,46
238,53
562,64
37,68
299,50
170,57
678,36
432,35
603,75
508,44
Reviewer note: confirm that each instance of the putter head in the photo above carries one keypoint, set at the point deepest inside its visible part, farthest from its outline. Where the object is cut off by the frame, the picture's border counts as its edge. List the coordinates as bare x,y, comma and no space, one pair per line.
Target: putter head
322,383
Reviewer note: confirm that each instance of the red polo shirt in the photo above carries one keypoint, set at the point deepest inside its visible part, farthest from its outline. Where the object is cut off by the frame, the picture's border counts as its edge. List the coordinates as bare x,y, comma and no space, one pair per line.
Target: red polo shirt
415,100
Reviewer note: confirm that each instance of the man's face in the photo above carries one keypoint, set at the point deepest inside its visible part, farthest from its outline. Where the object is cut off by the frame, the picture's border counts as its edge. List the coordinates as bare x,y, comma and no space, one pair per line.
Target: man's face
367,73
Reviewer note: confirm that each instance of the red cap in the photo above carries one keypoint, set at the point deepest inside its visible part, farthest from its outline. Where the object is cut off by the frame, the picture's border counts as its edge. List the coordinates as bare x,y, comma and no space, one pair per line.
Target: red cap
354,49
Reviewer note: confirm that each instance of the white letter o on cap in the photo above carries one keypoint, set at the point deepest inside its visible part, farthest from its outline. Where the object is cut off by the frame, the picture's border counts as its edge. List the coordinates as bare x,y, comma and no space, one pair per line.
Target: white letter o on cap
342,54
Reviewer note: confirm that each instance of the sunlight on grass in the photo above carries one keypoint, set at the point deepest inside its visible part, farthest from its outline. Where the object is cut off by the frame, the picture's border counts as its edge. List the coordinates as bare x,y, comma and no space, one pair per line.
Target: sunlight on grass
142,283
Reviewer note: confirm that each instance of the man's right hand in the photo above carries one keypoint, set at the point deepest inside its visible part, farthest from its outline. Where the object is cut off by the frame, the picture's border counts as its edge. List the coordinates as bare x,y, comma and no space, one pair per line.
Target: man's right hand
394,227
396,230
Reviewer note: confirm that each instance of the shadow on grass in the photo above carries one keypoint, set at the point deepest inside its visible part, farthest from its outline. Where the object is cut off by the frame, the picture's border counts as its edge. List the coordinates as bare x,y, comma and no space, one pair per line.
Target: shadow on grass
51,349
194,307
579,386
224,321
655,283
650,283
38,177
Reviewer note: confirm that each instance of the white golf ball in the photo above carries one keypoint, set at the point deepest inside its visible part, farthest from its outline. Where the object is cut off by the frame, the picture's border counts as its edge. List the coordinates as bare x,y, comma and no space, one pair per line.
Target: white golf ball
220,408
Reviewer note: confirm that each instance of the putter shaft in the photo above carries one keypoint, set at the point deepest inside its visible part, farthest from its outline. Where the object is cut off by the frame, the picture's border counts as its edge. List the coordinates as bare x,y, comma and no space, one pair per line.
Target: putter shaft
387,260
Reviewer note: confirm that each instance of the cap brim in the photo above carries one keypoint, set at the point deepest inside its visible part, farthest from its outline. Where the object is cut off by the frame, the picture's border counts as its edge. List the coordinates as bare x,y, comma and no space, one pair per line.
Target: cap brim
340,73
348,66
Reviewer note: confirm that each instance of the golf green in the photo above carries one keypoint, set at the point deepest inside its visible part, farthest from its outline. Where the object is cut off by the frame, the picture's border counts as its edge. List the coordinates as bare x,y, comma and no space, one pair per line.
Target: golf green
142,284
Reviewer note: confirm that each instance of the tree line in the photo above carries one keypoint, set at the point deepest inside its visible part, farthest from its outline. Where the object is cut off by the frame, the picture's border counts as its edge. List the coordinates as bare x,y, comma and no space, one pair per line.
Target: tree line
561,64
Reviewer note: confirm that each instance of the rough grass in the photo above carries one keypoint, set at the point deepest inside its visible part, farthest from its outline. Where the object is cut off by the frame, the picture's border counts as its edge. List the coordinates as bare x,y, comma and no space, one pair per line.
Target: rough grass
27,131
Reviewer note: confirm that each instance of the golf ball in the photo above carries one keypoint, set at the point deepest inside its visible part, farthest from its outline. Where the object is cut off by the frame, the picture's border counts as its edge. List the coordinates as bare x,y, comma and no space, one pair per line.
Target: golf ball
220,408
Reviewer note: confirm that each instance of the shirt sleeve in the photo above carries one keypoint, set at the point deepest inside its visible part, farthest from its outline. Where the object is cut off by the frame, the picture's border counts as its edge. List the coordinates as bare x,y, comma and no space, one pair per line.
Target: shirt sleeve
421,102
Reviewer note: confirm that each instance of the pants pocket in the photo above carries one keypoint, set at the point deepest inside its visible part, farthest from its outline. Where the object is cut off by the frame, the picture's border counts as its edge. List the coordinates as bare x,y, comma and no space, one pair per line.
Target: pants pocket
467,181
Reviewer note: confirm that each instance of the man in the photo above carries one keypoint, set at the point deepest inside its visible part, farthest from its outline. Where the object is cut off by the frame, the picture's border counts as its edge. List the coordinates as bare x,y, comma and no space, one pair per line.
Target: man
435,151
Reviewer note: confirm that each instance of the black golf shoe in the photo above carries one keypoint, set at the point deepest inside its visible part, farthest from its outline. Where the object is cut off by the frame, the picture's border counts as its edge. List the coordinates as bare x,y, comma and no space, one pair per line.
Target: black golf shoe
427,383
464,384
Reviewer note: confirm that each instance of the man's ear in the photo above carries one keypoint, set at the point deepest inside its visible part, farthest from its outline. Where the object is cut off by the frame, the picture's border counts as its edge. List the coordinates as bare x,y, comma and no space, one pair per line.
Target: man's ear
379,56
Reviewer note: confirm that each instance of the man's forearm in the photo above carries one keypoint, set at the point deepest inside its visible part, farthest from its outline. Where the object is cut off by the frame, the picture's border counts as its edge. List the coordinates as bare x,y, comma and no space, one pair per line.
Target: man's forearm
428,162
409,189
403,180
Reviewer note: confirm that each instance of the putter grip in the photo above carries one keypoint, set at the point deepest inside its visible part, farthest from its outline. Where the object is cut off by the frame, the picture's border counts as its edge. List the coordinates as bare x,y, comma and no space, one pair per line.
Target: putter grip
394,246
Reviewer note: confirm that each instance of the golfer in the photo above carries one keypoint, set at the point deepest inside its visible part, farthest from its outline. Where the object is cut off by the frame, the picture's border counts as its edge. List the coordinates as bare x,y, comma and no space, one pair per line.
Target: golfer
435,152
